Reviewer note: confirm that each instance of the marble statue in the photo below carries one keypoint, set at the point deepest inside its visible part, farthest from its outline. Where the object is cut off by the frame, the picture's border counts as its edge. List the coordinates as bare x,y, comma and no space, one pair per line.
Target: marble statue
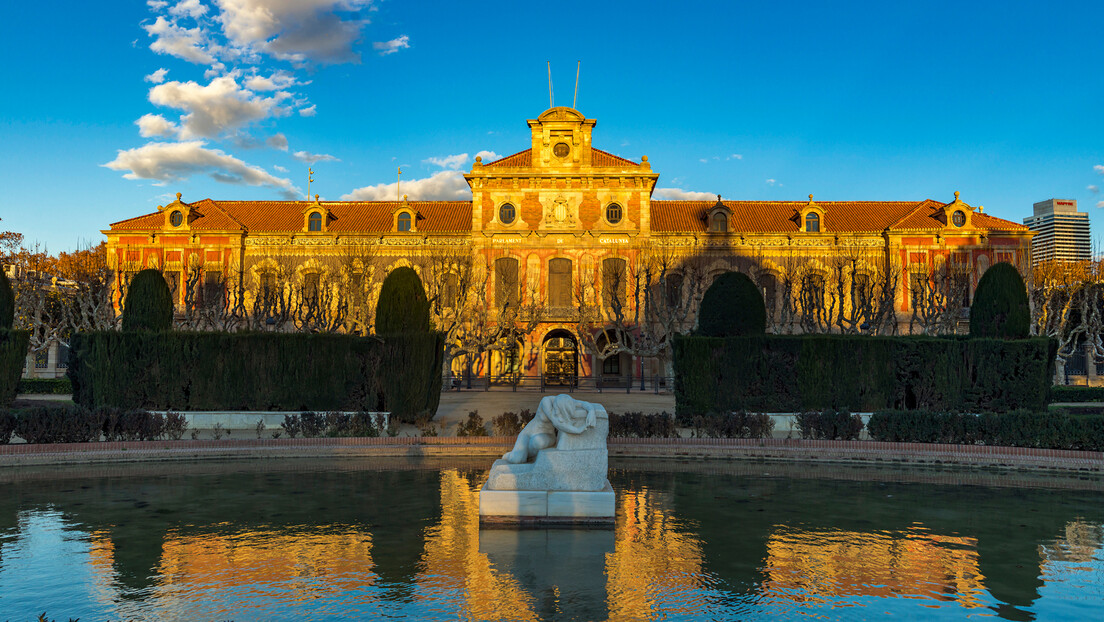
557,467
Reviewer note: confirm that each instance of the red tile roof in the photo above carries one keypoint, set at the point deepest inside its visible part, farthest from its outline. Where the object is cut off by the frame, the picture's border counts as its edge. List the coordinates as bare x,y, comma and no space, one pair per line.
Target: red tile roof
598,158
287,216
519,159
781,216
601,158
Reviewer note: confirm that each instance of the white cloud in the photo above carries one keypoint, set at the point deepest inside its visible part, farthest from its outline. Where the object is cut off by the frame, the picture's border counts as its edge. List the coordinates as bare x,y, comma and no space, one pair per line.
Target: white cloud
1093,189
158,76
703,160
213,109
773,182
294,30
453,162
308,112
277,141
1100,204
150,125
190,8
310,158
488,156
390,47
677,194
157,5
1099,168
735,156
277,167
168,162
186,43
441,186
277,81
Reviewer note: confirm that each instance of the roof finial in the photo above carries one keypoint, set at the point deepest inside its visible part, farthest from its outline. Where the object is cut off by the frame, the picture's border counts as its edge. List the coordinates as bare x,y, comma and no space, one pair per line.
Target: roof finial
316,198
810,198
178,197
718,198
956,195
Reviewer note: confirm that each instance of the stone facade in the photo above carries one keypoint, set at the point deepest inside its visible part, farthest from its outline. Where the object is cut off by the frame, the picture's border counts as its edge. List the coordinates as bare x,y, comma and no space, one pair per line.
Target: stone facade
564,243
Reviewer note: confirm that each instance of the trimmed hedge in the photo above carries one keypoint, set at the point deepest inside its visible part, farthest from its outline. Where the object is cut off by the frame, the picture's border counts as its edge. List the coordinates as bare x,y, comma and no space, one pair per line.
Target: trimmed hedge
74,424
402,305
257,371
149,304
781,373
1021,428
45,386
13,356
7,302
731,307
1076,394
1000,309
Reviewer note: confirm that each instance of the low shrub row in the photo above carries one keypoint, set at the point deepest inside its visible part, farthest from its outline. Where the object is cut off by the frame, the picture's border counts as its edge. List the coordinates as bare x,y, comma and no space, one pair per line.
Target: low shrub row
794,373
1049,430
75,424
511,423
640,425
334,424
1076,394
738,424
50,386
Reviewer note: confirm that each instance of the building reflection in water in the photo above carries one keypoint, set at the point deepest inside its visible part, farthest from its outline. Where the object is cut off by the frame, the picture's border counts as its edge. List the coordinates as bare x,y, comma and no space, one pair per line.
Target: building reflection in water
816,565
652,565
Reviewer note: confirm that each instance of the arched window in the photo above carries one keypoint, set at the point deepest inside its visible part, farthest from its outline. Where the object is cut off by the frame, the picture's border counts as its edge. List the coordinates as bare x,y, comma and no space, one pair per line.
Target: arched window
450,290
719,224
314,221
768,283
559,283
404,221
506,282
812,222
613,282
674,290
506,213
613,213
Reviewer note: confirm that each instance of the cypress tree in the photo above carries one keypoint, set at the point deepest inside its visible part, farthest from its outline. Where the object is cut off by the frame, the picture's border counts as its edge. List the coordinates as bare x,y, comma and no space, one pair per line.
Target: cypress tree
7,302
732,307
149,304
403,306
1000,308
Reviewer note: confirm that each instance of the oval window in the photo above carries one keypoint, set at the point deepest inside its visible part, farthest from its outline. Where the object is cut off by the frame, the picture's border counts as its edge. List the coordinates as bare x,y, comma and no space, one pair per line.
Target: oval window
506,213
561,150
176,218
613,213
958,218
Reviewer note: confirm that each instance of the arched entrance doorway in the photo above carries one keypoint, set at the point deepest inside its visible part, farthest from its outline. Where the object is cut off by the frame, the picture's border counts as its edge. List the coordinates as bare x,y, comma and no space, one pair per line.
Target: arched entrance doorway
560,358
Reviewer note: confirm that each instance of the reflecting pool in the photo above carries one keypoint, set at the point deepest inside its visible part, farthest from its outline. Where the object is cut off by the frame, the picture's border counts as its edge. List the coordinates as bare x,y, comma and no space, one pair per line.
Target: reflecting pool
391,539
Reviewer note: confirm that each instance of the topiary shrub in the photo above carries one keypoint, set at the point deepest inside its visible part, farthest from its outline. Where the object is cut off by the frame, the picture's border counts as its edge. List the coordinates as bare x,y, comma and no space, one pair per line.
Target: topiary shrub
402,306
1000,309
732,307
149,304
7,302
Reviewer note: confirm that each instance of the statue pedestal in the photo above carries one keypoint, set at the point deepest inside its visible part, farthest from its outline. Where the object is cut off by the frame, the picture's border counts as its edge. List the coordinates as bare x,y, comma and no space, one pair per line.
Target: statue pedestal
547,507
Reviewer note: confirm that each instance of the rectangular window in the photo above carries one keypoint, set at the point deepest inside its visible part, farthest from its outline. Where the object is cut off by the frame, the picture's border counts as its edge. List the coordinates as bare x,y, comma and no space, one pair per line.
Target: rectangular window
212,288
506,282
450,290
310,287
42,359
613,283
62,356
559,283
611,365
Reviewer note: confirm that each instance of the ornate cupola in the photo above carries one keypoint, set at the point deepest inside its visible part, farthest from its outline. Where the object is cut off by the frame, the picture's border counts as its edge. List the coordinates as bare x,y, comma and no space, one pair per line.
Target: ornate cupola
810,217
178,214
719,218
957,214
316,217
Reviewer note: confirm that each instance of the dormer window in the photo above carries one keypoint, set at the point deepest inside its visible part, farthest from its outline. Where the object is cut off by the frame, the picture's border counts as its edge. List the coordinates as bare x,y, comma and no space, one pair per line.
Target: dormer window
176,218
719,223
812,222
958,218
315,217
314,222
404,222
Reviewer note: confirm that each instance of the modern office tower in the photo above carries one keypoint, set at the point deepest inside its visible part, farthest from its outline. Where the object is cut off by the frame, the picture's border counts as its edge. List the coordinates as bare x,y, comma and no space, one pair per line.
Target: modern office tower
1063,232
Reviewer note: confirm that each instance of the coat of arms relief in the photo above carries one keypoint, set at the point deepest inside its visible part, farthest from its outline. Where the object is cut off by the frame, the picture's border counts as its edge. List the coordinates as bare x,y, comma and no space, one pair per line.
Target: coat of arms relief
560,213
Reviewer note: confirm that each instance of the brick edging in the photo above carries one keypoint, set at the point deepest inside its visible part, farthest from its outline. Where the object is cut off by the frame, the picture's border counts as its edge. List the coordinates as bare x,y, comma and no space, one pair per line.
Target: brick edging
706,448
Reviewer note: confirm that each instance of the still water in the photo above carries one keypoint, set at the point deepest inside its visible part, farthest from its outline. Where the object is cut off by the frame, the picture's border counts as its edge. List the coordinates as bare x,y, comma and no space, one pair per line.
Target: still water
372,539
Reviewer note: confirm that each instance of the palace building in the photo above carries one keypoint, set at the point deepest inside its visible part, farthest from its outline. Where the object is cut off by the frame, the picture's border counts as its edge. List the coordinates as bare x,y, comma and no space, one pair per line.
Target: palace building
563,265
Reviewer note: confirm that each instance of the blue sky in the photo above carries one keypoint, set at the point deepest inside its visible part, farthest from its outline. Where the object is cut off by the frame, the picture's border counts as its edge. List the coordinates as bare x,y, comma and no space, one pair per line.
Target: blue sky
111,108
